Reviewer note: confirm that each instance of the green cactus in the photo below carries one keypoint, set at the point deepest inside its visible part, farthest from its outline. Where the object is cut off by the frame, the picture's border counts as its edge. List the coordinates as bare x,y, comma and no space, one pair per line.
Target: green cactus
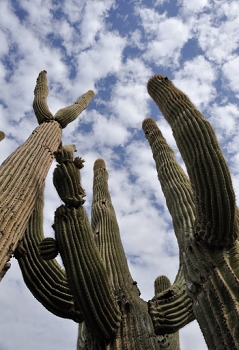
208,243
166,341
23,173
99,281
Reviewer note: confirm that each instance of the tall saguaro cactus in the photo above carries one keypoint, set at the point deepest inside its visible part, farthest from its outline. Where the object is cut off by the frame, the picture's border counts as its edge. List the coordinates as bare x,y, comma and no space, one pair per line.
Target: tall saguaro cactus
209,245
97,287
23,173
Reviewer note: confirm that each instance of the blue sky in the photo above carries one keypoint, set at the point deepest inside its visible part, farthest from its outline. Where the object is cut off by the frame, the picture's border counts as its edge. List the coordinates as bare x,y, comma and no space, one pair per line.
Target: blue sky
113,48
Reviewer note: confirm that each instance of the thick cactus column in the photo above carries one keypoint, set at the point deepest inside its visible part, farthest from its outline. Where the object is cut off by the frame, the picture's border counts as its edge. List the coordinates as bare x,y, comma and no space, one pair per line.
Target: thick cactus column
172,308
210,248
86,272
23,173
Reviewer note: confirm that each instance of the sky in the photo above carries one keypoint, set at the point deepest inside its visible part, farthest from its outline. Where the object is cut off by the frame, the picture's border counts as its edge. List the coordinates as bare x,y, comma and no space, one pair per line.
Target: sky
113,48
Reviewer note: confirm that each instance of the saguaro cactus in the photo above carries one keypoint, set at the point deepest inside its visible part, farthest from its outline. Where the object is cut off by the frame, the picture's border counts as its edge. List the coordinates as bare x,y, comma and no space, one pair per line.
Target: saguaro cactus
208,244
23,173
100,287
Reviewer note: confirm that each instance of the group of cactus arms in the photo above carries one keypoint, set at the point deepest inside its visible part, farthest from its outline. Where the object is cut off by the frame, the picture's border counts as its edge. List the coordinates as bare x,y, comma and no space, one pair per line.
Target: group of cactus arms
95,288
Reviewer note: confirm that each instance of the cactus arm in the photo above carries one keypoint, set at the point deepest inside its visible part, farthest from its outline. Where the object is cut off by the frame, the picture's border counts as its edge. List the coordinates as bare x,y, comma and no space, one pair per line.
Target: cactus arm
174,182
106,230
46,280
171,308
209,175
23,173
136,328
86,272
68,114
167,341
40,99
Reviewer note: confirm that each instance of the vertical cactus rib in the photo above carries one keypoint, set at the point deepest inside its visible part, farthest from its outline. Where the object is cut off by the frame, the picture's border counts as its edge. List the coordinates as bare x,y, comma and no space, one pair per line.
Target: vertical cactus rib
68,114
136,328
210,249
174,182
106,230
46,280
40,100
167,341
207,169
85,269
22,177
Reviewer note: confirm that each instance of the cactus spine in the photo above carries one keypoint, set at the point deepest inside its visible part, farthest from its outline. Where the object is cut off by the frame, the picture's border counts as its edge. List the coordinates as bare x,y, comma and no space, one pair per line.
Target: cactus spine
209,247
23,173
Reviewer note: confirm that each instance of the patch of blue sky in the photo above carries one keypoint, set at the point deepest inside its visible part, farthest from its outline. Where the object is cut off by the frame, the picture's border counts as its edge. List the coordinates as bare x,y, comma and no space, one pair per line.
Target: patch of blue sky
170,6
121,17
104,88
18,10
11,60
190,50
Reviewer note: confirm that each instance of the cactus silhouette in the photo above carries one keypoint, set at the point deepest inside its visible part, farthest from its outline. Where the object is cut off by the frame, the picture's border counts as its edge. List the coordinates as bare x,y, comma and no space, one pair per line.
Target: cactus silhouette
23,173
97,286
206,224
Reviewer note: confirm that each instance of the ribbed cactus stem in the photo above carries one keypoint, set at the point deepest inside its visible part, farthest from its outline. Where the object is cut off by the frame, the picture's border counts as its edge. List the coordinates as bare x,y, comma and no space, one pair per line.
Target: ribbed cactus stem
46,280
136,328
161,283
22,177
23,173
68,114
167,341
174,182
206,166
86,272
106,230
40,100
210,248
172,308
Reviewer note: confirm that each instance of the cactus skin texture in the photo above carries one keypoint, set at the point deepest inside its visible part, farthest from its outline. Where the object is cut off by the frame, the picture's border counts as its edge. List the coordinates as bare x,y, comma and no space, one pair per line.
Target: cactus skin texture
167,341
47,281
23,173
209,249
96,278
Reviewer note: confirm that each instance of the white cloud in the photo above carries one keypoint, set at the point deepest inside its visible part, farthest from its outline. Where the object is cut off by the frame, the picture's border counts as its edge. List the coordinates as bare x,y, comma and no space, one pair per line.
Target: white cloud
165,36
230,70
196,79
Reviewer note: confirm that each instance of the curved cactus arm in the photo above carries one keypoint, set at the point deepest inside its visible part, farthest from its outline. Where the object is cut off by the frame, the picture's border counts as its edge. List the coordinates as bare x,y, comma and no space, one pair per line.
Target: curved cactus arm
23,173
167,341
86,272
171,308
68,114
106,231
174,182
206,166
46,280
40,99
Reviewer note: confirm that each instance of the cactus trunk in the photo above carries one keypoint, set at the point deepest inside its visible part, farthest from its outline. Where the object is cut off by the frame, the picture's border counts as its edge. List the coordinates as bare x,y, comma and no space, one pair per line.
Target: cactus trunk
210,247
